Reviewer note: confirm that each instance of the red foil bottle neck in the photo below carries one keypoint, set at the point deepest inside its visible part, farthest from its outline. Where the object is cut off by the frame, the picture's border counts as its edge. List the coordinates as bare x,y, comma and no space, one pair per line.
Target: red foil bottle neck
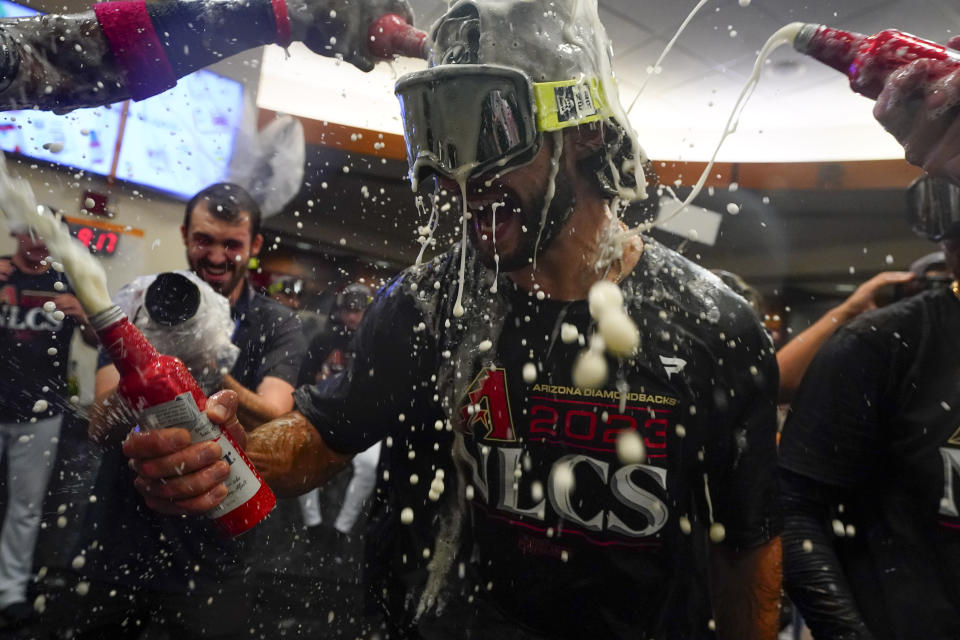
128,348
833,47
391,36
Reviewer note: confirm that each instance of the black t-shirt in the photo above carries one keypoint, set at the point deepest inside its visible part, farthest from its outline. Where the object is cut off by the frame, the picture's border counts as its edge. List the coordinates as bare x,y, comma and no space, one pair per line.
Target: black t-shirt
605,557
138,547
878,416
27,333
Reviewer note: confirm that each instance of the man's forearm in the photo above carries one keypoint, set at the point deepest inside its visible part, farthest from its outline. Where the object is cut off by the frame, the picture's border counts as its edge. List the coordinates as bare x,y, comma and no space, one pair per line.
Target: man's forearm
57,63
291,456
795,356
745,589
122,50
813,575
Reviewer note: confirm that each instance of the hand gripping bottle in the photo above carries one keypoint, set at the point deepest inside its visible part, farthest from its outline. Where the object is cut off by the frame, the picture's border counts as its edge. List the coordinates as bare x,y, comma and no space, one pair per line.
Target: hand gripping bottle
869,60
391,36
163,394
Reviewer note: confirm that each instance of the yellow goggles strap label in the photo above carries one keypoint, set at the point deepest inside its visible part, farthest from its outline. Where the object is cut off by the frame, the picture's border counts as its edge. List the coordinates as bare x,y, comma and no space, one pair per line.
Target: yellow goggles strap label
568,103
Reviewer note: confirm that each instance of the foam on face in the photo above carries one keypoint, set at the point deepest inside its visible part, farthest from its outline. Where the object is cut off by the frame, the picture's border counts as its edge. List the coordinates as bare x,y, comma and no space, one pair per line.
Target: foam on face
496,256
551,190
86,275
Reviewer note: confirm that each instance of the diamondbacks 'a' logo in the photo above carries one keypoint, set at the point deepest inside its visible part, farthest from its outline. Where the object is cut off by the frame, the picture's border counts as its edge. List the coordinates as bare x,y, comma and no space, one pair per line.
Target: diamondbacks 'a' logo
672,365
488,404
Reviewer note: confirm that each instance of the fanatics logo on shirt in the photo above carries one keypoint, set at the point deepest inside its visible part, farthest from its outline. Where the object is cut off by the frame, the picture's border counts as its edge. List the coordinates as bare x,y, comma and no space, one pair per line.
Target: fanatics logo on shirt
672,365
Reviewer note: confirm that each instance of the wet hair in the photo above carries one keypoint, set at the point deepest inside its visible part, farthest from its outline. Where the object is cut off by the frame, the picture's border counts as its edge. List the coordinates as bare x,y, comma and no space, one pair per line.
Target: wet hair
228,202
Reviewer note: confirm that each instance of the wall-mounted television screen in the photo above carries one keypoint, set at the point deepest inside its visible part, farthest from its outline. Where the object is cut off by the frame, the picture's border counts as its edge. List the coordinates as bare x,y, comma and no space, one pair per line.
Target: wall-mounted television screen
181,140
178,142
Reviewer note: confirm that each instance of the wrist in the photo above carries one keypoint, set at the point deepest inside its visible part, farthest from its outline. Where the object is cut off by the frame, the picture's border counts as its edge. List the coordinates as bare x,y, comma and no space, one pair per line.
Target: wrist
842,314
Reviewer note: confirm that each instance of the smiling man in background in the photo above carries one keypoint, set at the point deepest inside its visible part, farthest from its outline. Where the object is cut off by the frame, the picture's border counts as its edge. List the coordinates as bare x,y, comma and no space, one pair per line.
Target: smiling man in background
161,569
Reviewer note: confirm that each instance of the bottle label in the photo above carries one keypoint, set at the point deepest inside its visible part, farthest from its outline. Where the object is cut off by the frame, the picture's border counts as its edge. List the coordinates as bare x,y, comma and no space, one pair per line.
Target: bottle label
183,412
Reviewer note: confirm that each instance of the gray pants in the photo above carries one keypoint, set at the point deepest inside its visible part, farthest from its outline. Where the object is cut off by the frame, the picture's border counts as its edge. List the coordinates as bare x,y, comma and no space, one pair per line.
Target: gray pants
361,486
31,449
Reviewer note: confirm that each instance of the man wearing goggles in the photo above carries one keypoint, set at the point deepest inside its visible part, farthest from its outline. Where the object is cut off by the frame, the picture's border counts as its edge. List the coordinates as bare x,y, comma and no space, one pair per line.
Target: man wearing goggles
872,445
505,509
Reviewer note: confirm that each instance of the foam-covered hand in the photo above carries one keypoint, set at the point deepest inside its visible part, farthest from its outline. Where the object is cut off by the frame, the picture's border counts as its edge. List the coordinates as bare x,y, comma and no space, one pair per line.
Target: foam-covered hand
924,115
340,28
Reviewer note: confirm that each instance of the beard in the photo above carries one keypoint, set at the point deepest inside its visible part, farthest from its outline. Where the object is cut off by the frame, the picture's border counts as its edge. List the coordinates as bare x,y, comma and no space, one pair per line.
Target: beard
232,275
512,242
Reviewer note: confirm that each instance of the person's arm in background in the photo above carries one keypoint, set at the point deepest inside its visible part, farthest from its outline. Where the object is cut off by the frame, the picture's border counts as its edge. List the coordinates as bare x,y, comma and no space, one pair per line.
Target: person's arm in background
795,356
272,399
135,49
285,345
923,116
745,590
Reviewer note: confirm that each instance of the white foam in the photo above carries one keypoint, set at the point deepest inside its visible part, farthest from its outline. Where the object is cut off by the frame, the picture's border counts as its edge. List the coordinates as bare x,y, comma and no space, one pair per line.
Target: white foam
785,35
86,275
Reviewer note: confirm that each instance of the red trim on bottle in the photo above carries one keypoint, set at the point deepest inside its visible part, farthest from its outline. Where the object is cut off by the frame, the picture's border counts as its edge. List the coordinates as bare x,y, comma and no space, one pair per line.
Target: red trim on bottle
282,19
136,47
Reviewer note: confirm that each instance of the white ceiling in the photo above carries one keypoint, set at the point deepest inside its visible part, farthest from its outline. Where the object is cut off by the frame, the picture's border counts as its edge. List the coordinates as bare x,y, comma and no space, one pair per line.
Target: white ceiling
801,110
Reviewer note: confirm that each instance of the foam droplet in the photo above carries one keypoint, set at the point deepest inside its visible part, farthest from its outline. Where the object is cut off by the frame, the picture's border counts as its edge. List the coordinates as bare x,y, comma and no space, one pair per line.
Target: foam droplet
562,478
604,295
529,373
536,491
733,208
717,532
619,333
630,449
569,333
406,516
53,147
40,406
49,306
590,370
